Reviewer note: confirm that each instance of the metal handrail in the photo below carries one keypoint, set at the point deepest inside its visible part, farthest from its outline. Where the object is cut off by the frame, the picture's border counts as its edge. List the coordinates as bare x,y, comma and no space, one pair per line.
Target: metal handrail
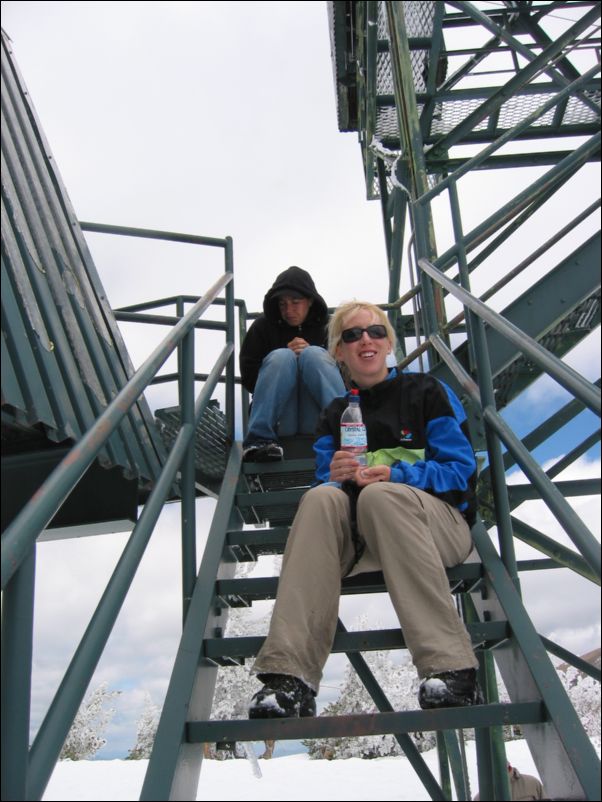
580,535
572,381
55,727
21,535
33,767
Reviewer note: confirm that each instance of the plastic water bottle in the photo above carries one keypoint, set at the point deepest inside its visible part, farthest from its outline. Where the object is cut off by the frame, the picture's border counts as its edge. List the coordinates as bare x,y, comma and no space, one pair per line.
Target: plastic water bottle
353,431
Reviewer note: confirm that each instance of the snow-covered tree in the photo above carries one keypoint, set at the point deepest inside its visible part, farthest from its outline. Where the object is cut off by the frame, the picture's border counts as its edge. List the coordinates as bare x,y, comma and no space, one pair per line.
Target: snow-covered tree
85,737
146,731
584,693
400,684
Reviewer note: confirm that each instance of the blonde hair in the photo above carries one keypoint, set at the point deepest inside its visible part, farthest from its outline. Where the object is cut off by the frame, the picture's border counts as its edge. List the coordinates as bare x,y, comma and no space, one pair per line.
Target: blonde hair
344,311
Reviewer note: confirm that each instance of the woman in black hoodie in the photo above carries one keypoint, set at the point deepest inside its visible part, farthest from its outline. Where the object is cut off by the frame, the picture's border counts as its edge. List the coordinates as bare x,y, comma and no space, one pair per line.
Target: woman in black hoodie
285,365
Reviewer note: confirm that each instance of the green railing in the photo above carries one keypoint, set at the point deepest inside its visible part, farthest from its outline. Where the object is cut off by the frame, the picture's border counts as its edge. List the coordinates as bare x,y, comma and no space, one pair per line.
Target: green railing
579,387
26,771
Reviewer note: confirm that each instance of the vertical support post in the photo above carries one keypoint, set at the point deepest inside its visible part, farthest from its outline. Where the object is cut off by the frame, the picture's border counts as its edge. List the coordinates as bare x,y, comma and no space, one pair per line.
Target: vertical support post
491,751
370,90
229,258
462,261
244,393
494,449
444,775
483,741
400,208
501,784
188,503
413,149
455,761
17,640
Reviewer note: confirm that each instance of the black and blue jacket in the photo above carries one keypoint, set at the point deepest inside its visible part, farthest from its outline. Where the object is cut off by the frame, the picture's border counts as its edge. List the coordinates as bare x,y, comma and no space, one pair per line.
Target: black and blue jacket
417,426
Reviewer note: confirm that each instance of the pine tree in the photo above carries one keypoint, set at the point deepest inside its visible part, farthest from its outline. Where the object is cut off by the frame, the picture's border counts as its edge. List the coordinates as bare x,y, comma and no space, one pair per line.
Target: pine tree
92,719
146,731
400,684
584,693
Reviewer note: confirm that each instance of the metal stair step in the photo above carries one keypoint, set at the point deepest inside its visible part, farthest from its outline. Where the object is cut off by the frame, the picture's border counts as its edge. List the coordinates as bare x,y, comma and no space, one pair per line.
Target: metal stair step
246,545
233,651
234,592
463,578
365,724
286,497
278,506
301,465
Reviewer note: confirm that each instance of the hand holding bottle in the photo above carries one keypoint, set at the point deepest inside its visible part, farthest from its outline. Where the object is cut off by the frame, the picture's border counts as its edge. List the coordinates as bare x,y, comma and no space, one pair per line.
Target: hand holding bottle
344,467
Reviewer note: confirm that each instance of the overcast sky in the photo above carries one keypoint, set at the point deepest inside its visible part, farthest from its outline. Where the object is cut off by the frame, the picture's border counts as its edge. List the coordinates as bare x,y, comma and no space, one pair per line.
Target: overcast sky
220,119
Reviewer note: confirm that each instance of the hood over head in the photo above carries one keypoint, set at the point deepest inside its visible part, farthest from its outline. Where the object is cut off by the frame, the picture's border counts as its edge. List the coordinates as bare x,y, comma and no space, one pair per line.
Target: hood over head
296,282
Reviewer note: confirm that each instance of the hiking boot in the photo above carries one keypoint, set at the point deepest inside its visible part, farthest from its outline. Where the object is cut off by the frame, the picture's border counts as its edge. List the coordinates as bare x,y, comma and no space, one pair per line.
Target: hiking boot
262,452
450,689
282,696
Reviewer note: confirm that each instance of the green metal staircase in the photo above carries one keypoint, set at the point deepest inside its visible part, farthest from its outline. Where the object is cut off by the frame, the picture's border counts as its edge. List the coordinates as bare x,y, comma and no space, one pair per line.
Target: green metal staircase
411,120
432,110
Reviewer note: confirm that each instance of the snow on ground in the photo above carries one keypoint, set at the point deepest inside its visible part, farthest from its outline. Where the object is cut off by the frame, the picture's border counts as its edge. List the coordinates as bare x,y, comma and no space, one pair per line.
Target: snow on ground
294,777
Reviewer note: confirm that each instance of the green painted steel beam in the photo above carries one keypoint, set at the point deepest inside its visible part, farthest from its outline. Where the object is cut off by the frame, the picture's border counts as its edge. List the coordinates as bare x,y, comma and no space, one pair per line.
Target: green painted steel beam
267,468
443,765
458,769
384,706
149,233
572,659
167,320
434,47
367,724
271,498
489,633
484,93
507,161
16,657
574,454
535,65
563,754
519,339
460,19
559,553
576,487
172,770
433,310
509,135
234,591
526,201
564,513
491,754
20,536
548,428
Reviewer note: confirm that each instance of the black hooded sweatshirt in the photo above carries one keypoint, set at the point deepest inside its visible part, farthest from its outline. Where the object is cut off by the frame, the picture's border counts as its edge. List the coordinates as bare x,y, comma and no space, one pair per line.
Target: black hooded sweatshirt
269,331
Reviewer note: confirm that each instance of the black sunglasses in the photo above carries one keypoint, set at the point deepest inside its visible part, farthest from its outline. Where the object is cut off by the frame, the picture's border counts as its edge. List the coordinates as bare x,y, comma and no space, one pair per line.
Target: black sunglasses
376,332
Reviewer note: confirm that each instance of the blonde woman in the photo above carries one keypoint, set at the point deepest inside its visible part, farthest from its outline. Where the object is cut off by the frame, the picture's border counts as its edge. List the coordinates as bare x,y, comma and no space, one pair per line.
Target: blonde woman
410,510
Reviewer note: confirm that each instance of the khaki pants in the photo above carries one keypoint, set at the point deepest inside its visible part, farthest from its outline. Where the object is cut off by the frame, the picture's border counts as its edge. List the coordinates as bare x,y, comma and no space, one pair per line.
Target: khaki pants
411,536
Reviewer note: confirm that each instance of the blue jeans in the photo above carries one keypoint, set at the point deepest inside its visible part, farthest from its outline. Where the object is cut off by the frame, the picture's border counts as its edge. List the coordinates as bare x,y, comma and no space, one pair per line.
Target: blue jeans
290,393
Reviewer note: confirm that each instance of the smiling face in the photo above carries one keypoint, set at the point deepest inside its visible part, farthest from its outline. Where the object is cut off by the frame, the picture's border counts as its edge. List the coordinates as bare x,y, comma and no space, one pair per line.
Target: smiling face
366,358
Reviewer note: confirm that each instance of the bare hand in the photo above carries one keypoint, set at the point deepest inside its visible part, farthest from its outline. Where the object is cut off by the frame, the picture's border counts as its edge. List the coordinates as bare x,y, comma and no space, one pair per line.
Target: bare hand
368,476
343,466
297,345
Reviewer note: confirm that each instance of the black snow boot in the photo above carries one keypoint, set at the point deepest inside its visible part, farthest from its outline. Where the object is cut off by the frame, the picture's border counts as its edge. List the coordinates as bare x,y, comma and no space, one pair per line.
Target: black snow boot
282,696
450,689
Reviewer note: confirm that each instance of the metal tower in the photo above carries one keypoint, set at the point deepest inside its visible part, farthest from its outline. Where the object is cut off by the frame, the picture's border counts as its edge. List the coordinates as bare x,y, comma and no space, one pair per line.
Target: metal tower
485,112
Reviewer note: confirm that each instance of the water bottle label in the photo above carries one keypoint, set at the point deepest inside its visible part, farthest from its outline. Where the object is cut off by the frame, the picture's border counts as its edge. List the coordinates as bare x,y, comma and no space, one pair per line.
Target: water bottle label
353,436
